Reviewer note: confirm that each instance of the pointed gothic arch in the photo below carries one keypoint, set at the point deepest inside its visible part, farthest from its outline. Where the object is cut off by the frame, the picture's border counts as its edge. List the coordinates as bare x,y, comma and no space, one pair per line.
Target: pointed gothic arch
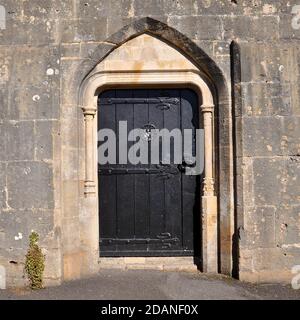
210,82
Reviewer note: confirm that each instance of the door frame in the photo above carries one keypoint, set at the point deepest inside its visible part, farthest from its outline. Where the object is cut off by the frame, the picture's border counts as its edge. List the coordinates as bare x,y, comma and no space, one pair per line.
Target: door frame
102,80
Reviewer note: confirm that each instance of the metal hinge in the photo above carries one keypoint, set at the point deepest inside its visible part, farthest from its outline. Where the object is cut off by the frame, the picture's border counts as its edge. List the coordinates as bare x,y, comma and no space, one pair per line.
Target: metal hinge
158,169
163,238
163,103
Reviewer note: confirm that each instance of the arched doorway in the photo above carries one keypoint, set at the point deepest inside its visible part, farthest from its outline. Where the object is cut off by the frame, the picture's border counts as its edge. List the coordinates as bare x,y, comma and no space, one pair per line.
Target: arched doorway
146,61
82,86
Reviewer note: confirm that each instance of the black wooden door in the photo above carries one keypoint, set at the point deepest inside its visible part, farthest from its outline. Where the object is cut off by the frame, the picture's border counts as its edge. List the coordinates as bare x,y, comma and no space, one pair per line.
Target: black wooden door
148,209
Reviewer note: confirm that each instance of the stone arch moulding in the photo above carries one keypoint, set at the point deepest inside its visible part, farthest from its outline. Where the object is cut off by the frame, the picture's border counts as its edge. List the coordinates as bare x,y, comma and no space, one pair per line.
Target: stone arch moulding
103,75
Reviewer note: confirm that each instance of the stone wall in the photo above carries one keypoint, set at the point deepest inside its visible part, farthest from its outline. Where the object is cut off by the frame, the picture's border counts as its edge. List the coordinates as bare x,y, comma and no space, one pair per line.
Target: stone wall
269,160
43,50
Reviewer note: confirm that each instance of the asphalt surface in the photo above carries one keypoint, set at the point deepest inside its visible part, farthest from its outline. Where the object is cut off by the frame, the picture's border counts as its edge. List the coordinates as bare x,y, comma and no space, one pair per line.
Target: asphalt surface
158,285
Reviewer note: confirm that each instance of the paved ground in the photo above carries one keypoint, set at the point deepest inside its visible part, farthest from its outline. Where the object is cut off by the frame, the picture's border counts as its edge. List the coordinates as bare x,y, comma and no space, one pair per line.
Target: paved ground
139,284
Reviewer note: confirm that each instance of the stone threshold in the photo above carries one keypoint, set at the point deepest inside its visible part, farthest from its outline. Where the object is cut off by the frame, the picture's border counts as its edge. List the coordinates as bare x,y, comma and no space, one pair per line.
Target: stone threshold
149,263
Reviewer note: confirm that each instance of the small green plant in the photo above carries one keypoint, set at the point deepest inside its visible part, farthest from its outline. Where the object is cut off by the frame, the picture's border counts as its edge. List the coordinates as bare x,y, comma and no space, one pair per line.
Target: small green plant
35,263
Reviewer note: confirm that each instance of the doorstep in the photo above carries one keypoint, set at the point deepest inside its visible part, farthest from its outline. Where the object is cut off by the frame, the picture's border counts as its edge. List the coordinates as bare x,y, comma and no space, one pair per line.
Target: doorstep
149,263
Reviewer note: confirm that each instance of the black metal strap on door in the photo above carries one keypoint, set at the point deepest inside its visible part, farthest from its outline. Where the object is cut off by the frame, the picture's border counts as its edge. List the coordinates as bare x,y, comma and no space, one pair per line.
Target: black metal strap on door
162,103
139,100
163,238
159,169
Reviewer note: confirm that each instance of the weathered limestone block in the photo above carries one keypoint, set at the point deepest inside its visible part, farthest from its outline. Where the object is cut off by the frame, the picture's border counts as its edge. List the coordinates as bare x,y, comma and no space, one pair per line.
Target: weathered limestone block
35,31
295,98
266,99
19,224
53,271
19,140
269,63
70,50
287,226
267,265
268,180
248,183
251,27
34,102
260,227
93,9
221,49
262,136
44,9
205,7
198,28
290,143
38,20
30,185
80,30
150,8
291,191
3,103
40,70
43,136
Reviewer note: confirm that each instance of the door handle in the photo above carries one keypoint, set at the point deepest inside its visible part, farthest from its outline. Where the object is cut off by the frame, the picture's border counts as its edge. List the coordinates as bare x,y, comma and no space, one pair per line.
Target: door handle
182,166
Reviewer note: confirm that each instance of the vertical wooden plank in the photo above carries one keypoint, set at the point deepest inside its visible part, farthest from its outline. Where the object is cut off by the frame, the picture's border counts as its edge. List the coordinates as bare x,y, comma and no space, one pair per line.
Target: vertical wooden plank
107,184
173,183
125,183
141,191
156,183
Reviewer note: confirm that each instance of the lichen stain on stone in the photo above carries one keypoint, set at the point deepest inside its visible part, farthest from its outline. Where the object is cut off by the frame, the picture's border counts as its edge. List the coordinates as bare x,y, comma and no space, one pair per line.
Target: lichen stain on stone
19,236
36,98
206,3
50,72
269,9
